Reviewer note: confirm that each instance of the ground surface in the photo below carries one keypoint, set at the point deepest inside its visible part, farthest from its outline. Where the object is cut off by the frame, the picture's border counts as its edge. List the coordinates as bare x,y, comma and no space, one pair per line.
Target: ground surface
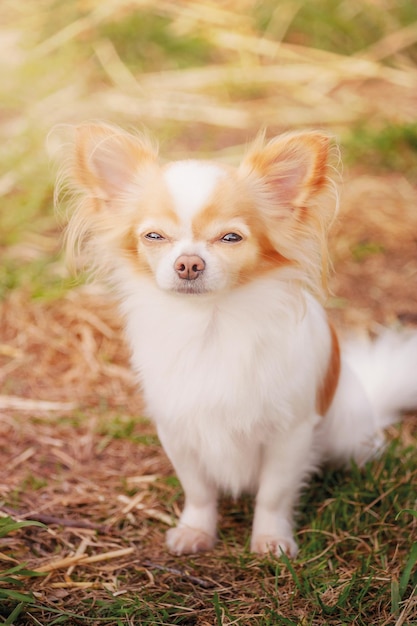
90,466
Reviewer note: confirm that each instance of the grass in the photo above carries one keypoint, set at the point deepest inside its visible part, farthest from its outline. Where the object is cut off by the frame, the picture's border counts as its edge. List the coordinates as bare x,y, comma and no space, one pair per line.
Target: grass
344,28
147,42
205,77
12,578
356,563
391,148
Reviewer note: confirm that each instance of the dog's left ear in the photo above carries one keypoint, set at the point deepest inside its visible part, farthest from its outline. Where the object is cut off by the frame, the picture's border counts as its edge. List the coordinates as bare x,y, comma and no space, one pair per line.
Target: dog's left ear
288,171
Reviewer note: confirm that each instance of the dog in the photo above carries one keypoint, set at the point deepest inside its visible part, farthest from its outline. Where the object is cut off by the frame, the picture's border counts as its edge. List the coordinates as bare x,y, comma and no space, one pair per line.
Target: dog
219,272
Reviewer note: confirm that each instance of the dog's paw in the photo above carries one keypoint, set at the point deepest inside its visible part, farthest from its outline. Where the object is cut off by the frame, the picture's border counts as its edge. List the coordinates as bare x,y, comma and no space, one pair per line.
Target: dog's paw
186,540
270,544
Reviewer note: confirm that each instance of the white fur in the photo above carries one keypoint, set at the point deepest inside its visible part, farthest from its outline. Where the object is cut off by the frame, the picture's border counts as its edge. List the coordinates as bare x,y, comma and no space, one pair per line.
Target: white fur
191,183
351,429
387,367
233,408
230,369
378,381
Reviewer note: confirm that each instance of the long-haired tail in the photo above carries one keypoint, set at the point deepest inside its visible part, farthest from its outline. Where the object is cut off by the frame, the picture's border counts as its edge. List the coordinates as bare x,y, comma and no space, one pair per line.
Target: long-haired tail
387,368
378,383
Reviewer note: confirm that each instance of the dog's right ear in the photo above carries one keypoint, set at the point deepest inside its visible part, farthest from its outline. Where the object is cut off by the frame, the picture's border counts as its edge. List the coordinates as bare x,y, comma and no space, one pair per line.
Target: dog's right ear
107,160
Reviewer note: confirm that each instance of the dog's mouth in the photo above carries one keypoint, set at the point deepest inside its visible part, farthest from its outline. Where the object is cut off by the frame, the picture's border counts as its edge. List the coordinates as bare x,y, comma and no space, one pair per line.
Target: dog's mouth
190,287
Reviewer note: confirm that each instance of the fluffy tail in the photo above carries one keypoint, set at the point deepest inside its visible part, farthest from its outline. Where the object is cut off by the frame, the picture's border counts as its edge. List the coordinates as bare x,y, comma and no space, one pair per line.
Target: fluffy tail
387,369
378,383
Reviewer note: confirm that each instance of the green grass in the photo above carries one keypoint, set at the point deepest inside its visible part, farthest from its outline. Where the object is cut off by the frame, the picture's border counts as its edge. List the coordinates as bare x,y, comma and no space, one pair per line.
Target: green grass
40,279
28,206
337,26
357,563
148,42
12,579
388,148
125,427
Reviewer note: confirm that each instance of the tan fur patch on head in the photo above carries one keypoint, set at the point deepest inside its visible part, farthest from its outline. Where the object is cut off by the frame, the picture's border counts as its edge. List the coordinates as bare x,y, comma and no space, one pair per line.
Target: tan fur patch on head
154,212
231,205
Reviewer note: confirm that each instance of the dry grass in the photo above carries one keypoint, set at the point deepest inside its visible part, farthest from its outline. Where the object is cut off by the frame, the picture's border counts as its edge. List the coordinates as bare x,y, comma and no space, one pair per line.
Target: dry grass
74,452
65,351
248,80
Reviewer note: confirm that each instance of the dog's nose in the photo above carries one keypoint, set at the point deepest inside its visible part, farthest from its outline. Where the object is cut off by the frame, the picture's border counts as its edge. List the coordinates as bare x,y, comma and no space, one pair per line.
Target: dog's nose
189,266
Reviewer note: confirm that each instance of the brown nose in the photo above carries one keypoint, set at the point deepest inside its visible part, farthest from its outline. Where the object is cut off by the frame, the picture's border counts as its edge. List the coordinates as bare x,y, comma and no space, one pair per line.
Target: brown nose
189,267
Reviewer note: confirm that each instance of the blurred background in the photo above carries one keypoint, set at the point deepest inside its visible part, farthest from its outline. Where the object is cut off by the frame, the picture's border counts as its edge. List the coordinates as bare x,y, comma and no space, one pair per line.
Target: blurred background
205,77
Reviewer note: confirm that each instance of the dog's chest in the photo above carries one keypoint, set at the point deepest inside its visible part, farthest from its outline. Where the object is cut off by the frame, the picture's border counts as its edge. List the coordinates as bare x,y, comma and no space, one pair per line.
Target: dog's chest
232,367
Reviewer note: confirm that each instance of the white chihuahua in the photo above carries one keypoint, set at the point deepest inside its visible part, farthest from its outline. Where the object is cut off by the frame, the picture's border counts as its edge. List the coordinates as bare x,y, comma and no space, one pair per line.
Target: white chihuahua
216,269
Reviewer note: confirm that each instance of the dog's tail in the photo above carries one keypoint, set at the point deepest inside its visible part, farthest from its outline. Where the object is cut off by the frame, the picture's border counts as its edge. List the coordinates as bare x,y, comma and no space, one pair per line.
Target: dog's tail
378,383
387,368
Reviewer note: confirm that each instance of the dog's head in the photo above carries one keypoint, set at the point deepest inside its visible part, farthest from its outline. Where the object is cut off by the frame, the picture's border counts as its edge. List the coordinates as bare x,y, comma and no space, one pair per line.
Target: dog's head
195,226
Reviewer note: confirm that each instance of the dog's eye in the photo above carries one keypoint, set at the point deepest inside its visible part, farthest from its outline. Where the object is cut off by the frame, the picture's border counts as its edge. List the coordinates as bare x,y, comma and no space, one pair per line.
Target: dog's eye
154,237
231,238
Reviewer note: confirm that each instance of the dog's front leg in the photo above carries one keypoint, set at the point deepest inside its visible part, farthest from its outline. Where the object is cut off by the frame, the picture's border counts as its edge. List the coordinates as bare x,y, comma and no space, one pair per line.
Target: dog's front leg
287,461
196,529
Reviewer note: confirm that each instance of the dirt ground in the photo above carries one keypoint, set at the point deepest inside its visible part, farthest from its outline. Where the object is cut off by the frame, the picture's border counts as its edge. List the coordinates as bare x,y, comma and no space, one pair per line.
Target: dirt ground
374,249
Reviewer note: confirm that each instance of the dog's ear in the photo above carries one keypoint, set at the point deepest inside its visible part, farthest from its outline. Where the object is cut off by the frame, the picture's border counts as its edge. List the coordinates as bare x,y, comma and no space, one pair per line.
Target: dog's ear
107,160
288,171
288,180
